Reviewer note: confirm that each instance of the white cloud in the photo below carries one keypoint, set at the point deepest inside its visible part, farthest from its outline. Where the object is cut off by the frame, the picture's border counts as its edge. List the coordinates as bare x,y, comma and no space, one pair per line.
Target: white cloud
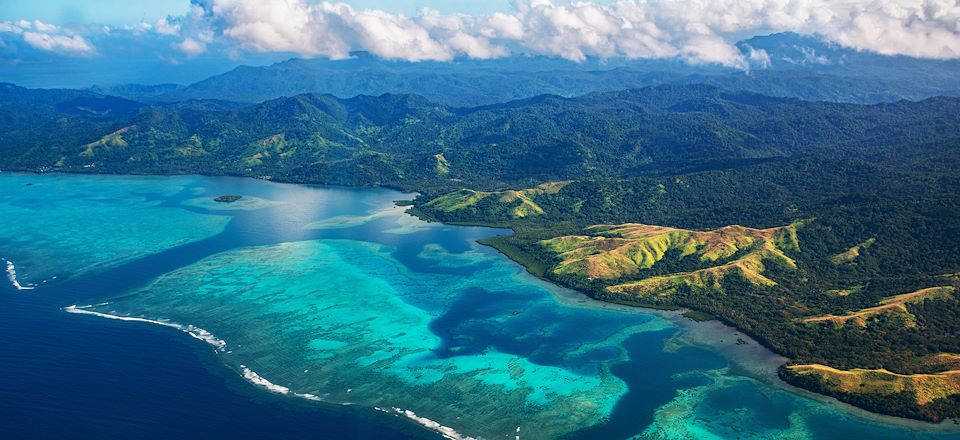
712,49
138,28
165,27
500,25
921,28
475,47
62,44
7,27
48,37
387,35
283,26
44,27
190,46
702,31
758,57
810,56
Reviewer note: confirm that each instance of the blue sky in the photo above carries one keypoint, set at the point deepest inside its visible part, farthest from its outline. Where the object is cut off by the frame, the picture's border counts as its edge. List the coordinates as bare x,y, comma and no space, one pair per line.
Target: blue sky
115,12
87,11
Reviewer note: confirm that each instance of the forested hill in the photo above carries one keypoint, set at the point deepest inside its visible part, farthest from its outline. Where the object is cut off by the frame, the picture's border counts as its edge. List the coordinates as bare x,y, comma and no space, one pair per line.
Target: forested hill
408,141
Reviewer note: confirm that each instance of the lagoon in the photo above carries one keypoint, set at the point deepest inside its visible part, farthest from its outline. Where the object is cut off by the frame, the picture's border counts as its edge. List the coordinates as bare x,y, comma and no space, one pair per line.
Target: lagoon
330,311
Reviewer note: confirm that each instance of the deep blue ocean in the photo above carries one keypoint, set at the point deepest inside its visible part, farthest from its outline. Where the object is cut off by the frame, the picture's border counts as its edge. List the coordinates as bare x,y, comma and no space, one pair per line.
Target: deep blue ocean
338,314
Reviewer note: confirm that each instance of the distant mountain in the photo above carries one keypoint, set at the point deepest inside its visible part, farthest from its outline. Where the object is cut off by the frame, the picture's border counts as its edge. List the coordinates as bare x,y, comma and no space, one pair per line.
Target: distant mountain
139,92
458,83
401,140
786,65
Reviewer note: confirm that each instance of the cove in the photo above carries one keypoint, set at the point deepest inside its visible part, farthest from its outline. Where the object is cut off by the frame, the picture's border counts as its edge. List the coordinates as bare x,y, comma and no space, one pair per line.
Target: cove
342,312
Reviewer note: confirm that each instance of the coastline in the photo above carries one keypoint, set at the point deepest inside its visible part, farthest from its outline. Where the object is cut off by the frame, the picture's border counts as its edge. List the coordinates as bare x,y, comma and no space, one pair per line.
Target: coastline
271,179
753,358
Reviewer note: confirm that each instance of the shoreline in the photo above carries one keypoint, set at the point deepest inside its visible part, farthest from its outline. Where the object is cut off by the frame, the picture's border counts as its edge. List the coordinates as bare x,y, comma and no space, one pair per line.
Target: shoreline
271,179
752,359
757,362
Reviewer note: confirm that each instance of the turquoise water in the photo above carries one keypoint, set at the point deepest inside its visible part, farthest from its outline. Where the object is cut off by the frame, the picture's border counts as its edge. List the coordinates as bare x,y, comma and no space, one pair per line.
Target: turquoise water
345,321
335,295
62,227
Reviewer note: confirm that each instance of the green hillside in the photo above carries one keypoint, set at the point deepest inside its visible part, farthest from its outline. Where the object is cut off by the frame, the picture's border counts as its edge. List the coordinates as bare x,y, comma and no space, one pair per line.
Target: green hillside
409,142
494,205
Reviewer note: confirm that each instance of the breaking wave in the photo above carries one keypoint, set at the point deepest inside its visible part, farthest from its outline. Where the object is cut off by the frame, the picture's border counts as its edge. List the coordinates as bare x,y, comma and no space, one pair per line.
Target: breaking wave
12,276
258,380
192,330
445,431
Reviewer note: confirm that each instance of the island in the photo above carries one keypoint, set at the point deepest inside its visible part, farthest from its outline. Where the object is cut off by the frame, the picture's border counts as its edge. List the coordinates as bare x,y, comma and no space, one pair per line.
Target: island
227,199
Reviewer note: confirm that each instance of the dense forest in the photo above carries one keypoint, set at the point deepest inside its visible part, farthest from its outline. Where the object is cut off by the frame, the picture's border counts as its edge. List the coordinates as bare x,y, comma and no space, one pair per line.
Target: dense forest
868,194
408,141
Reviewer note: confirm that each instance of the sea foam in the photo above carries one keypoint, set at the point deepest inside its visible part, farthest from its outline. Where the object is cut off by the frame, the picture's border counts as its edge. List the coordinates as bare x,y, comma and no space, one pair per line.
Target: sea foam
12,276
445,431
192,330
258,380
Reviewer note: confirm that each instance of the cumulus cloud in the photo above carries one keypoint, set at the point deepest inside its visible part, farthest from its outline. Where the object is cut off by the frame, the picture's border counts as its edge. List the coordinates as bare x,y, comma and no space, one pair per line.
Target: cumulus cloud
48,37
335,29
138,29
704,31
10,28
58,43
190,46
165,26
695,31
698,32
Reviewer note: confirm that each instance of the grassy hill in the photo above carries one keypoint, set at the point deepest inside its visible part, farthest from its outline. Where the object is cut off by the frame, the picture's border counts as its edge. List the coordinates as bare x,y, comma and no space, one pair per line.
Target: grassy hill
875,353
619,251
922,395
895,305
511,204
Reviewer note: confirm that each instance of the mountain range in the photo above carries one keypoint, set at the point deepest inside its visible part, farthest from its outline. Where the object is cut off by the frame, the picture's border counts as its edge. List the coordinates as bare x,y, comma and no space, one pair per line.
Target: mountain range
401,140
789,65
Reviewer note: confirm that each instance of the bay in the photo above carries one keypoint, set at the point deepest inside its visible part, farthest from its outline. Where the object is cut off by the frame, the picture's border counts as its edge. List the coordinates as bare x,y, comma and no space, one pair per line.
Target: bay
330,312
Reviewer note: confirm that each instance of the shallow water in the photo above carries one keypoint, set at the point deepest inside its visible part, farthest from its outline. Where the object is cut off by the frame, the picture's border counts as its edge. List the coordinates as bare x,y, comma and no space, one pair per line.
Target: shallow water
61,227
334,294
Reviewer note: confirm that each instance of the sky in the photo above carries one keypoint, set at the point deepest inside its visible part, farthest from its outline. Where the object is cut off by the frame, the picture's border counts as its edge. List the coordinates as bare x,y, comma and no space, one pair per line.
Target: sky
115,12
169,38
62,12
